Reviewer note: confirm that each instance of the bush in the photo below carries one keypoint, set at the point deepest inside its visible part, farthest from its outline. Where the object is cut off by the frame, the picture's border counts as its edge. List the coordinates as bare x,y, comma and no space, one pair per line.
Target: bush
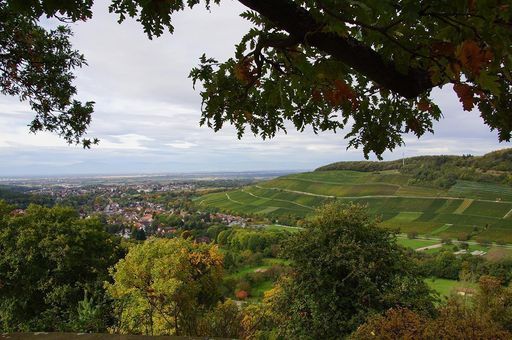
484,242
464,245
254,259
463,237
243,284
446,241
228,286
241,295
257,277
412,235
224,321
49,259
275,272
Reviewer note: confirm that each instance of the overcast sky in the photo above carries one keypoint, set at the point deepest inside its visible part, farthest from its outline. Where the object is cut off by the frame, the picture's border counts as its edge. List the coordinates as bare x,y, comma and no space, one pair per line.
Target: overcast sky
147,114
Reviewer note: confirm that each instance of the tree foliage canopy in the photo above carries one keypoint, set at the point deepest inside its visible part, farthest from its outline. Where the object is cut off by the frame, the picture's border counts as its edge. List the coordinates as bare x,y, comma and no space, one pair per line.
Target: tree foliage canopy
36,64
487,316
163,286
369,65
50,258
344,269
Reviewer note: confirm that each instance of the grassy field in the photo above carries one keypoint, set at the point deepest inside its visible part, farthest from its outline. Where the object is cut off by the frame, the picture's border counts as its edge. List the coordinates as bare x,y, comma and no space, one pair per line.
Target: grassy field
282,227
416,243
494,253
257,290
469,209
446,287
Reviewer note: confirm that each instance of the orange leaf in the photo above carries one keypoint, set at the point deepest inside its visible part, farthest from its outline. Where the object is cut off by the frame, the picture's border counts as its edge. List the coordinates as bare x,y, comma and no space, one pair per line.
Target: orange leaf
316,95
471,5
454,70
345,92
248,115
423,105
472,57
331,97
466,96
244,71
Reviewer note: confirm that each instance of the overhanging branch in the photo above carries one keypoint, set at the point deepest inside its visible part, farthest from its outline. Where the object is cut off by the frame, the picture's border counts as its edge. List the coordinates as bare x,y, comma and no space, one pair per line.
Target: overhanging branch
300,24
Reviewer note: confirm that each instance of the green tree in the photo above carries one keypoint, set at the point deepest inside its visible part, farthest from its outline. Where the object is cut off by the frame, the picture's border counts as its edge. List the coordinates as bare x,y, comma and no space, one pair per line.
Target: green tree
315,63
164,286
48,258
37,66
344,269
223,321
215,230
89,317
140,234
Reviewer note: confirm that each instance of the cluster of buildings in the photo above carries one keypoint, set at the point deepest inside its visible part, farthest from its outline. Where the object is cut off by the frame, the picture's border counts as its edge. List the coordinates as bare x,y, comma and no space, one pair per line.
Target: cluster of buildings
177,186
230,220
131,205
474,252
64,190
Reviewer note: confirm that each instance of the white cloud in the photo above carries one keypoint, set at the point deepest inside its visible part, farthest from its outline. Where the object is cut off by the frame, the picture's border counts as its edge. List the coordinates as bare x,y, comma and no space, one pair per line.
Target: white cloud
181,145
126,142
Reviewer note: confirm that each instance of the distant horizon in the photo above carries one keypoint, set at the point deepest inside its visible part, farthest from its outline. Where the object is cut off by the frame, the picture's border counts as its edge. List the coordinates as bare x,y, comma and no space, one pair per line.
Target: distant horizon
141,174
121,174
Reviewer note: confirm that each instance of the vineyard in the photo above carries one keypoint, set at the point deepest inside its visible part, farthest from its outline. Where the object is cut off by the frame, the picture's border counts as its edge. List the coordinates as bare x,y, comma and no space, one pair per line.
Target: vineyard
467,210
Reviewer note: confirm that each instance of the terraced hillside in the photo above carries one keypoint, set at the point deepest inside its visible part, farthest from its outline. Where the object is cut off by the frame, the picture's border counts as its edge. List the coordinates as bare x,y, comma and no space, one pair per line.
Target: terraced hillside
468,209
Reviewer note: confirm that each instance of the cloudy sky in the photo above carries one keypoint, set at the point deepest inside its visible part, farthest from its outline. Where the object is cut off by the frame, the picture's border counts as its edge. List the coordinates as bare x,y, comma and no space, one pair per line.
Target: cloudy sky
147,114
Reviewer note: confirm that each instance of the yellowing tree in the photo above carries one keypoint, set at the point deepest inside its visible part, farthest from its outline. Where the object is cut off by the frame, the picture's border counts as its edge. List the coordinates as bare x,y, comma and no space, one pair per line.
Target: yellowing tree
163,286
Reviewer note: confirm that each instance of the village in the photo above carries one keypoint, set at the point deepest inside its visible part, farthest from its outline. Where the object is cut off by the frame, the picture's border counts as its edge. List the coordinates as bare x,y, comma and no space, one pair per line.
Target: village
139,209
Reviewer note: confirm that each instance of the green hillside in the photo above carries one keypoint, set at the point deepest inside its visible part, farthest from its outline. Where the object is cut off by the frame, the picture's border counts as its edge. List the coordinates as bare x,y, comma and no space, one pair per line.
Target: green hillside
499,160
467,209
441,171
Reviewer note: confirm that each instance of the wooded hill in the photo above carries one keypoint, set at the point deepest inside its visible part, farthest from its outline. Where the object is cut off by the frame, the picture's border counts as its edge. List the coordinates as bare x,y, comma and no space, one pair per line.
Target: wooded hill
441,171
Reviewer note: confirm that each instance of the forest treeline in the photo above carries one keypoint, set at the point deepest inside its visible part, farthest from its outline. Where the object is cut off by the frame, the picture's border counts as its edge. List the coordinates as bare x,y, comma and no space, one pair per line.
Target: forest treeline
441,171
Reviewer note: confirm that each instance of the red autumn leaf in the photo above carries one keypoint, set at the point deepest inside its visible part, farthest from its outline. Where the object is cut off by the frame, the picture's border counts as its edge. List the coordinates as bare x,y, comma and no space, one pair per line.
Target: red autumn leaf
343,89
423,105
330,96
345,93
466,96
471,5
316,95
472,57
414,125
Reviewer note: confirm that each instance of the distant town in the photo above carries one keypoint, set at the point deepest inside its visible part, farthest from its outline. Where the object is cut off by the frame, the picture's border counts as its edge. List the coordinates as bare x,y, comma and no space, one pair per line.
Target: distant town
159,205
